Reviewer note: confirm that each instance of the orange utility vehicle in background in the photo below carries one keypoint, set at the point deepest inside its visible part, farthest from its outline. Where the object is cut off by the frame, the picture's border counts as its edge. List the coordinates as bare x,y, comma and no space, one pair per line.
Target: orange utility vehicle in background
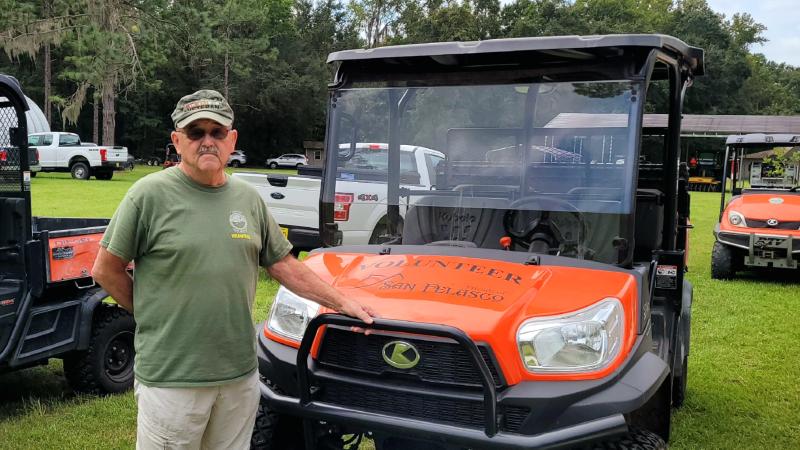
533,296
758,227
49,304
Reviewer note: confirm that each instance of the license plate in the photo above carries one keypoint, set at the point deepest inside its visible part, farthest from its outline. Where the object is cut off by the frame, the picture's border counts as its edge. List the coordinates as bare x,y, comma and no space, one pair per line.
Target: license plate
285,232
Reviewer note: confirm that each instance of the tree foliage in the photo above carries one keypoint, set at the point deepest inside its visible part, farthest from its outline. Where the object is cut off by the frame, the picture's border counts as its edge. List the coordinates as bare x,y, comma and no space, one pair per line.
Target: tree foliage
134,59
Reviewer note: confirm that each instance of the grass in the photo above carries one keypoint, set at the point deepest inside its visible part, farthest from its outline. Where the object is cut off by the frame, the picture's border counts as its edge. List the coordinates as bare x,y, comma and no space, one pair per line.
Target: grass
744,366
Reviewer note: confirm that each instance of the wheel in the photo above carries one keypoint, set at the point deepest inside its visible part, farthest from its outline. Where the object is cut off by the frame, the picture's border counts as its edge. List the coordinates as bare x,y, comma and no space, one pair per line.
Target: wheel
679,385
273,165
273,431
80,171
635,439
235,163
104,175
33,174
106,367
298,166
722,262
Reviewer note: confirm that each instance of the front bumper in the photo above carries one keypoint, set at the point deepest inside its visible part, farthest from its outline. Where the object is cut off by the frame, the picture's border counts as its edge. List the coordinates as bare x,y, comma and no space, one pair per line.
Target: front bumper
767,249
523,416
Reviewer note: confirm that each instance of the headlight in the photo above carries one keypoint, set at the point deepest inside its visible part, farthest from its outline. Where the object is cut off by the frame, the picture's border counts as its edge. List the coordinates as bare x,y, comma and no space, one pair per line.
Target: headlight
290,314
581,341
736,219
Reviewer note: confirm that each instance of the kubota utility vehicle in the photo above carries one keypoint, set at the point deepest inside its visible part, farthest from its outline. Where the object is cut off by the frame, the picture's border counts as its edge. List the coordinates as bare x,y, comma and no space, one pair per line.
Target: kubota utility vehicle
49,304
759,227
533,296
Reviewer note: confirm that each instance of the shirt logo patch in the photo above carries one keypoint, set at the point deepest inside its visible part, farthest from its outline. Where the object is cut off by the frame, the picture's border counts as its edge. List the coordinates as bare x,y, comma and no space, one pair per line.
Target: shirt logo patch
238,222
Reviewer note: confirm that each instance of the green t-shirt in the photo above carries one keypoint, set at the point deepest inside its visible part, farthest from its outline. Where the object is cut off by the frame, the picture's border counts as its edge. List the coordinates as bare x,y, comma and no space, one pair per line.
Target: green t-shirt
197,252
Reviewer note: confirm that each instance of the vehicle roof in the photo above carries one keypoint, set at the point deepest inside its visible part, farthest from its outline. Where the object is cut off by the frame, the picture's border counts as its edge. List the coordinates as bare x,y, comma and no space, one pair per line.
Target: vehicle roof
567,47
763,140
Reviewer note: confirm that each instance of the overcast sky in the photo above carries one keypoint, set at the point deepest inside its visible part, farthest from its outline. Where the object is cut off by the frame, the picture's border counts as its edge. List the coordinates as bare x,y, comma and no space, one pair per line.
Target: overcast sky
781,17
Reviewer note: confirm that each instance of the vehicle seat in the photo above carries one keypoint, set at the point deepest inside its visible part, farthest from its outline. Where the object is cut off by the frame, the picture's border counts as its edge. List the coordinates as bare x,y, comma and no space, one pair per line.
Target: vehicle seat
427,224
649,223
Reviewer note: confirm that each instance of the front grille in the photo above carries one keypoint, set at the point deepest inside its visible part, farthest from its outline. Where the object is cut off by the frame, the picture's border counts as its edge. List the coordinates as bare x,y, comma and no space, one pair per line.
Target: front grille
442,361
463,413
789,225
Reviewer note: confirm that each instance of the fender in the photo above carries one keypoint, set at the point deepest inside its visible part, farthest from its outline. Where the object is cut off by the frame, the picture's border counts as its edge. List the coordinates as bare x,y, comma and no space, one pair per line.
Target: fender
92,300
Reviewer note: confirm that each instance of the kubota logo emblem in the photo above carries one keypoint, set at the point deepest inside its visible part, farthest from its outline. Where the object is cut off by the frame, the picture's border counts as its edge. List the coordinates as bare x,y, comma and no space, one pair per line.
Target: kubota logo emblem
400,354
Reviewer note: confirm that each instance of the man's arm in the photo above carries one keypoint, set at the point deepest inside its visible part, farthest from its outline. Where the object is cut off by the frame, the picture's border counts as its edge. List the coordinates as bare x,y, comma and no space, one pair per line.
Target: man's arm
302,281
111,272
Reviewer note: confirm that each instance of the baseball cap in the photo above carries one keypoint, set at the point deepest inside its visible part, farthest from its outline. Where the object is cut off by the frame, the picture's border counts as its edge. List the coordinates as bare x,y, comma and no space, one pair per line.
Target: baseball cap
203,104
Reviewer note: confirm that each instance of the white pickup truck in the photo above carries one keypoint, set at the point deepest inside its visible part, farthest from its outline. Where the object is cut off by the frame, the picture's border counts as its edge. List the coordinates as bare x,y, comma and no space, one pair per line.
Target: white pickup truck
64,152
360,208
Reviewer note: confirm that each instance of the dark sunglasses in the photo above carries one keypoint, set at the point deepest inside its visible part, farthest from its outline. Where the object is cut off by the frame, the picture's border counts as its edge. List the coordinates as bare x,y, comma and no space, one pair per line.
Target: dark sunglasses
197,133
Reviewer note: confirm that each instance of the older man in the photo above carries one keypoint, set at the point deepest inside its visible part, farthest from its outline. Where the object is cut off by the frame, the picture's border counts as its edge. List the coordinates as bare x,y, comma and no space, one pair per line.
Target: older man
197,238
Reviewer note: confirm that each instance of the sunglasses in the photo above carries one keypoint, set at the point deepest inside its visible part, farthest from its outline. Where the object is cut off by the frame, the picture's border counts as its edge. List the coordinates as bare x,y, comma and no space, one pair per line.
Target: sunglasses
197,133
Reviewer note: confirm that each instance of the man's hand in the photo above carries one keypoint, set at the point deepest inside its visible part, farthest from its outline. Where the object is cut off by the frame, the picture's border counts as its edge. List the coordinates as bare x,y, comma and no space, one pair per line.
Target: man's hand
302,281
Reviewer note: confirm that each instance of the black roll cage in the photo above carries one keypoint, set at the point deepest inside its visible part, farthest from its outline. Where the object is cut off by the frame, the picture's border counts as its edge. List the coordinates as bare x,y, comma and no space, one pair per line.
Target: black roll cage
637,64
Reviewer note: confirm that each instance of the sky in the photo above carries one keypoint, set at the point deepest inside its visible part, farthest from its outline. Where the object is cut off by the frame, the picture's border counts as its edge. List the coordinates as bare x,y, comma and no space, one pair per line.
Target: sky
782,19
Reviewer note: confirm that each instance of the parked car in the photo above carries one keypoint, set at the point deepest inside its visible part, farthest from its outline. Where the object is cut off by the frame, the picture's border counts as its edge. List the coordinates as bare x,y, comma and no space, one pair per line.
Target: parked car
287,160
237,158
64,152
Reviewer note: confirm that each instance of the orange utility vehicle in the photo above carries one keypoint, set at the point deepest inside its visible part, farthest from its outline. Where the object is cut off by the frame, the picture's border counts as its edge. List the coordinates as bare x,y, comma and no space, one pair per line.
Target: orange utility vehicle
534,295
49,304
759,227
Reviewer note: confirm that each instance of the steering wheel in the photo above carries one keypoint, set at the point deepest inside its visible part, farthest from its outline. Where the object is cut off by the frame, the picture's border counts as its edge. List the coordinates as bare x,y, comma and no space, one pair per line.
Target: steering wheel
541,234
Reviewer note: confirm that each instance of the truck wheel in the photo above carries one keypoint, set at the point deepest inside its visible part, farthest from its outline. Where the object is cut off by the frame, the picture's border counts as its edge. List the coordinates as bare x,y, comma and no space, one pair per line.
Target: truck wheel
635,439
235,163
80,171
679,385
722,263
106,367
104,175
273,165
273,431
33,174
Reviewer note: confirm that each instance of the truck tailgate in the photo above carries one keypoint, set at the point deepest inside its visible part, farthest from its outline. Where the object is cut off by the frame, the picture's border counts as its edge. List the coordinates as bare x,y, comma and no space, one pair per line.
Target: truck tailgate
292,200
116,154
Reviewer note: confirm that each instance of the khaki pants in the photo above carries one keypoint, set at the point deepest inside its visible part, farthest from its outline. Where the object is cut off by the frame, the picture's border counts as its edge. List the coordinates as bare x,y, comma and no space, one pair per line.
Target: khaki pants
218,417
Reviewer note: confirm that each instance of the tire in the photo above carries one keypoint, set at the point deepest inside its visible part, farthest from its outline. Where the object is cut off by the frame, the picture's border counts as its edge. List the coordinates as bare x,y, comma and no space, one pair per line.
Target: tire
635,439
80,171
679,385
298,166
273,165
104,175
723,266
33,174
273,431
106,367
380,230
235,163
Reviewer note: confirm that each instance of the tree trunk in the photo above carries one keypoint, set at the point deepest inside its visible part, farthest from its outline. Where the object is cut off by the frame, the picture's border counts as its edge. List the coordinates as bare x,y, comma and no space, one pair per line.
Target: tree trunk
108,96
95,118
47,78
225,86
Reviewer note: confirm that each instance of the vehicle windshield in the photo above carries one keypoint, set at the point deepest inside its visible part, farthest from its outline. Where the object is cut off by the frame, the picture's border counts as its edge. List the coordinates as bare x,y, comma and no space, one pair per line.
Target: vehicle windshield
476,163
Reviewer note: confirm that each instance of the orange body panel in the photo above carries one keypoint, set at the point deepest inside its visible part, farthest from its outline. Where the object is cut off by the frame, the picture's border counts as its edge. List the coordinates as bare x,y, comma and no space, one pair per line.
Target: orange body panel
486,299
72,257
764,207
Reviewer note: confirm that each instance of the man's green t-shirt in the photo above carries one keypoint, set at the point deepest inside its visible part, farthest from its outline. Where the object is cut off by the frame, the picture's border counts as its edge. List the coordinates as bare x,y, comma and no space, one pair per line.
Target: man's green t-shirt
197,252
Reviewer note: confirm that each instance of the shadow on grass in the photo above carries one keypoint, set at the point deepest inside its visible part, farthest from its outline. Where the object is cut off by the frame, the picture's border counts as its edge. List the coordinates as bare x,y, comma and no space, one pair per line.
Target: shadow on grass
34,390
769,275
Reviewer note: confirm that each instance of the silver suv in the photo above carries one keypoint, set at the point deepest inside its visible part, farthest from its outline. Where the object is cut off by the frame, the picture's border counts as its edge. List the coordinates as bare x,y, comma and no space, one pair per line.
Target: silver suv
237,158
287,160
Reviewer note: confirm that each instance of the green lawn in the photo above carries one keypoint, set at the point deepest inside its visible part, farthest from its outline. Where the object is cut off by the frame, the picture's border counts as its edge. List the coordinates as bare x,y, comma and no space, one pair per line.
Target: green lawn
743,379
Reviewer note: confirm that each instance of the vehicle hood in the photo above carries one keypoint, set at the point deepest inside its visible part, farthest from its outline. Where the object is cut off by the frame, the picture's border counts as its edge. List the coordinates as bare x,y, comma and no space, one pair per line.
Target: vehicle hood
484,298
784,207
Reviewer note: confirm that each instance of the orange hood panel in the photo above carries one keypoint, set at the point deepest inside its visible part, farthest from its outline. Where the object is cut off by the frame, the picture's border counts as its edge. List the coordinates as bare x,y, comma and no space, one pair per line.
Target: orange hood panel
783,207
486,299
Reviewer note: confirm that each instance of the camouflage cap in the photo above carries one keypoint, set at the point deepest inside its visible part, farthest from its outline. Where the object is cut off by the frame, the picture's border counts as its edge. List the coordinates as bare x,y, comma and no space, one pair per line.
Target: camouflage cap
203,104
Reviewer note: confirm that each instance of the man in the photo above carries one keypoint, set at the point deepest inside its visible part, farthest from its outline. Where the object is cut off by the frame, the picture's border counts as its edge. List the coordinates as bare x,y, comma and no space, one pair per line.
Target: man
197,238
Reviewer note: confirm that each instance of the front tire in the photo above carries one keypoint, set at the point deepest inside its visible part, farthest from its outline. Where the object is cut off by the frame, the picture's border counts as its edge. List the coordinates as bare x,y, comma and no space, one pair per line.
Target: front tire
235,163
273,165
80,171
106,367
723,266
273,431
